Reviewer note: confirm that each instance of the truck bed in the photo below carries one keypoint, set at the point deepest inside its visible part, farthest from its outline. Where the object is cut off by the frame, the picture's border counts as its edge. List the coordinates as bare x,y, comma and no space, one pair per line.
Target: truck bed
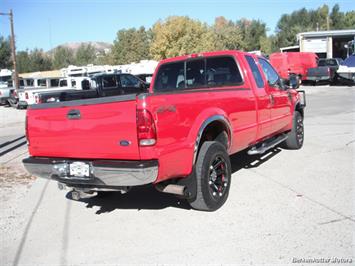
320,73
67,95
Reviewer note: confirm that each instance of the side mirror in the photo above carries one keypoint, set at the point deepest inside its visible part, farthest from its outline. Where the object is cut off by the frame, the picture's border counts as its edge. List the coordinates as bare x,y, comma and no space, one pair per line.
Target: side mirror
144,86
282,83
294,81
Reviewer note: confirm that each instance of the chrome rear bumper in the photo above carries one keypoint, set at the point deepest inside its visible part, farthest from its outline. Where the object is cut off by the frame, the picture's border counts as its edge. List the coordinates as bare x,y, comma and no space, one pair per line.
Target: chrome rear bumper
103,173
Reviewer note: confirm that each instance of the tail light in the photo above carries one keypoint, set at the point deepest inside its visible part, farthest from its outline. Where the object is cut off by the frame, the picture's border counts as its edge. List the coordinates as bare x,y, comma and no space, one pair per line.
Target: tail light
26,96
37,99
146,130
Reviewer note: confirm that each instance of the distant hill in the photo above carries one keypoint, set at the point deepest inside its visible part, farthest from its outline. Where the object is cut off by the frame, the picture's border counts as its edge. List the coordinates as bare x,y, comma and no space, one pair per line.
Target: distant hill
99,46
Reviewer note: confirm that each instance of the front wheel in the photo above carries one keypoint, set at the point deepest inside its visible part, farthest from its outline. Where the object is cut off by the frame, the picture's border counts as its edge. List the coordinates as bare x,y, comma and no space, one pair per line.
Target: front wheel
213,177
296,135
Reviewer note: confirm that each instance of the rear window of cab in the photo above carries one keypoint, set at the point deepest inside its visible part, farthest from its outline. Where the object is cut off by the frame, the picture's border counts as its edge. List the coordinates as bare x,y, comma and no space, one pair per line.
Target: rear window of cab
198,73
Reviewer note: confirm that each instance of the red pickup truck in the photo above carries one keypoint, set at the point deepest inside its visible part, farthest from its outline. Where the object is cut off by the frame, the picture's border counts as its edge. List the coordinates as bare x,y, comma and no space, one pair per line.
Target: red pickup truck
200,108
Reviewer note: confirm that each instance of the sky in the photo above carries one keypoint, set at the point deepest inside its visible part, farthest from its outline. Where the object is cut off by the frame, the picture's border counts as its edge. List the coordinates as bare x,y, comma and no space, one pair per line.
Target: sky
47,23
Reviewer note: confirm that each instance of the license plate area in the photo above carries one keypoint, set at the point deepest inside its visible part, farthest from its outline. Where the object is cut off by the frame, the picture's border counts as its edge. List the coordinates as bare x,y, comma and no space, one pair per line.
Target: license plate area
79,170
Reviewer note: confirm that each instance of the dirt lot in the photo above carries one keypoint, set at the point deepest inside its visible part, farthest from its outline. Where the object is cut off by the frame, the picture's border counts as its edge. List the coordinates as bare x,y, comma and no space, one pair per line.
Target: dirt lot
283,207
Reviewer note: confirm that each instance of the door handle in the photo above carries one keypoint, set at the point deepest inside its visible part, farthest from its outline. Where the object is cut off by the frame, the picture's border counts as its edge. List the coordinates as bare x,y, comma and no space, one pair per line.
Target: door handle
74,114
272,100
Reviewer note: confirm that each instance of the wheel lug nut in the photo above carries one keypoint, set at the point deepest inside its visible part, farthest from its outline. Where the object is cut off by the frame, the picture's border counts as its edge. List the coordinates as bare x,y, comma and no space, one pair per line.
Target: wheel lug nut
210,182
214,193
225,184
211,167
220,194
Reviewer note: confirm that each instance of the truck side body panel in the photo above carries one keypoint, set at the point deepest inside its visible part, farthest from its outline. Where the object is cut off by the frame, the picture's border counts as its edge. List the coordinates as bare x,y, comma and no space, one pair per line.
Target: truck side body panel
180,117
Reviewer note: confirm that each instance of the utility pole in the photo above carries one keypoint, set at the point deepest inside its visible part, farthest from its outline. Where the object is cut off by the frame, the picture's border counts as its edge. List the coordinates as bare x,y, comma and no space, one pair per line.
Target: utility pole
13,49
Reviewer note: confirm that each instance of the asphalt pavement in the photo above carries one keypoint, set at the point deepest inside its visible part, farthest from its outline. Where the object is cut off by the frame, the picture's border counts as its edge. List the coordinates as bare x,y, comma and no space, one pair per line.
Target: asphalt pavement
283,207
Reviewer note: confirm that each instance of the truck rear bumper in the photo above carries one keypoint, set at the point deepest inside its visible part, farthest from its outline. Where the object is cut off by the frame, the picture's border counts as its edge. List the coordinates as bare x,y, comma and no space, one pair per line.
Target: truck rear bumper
102,173
313,78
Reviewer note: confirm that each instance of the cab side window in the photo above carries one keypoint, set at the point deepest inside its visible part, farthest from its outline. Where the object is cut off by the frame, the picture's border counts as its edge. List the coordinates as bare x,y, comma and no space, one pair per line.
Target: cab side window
195,73
109,82
171,76
270,73
129,81
222,71
255,70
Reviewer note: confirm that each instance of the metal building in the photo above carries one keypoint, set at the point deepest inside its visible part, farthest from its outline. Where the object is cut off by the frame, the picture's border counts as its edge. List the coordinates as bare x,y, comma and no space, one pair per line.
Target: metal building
326,44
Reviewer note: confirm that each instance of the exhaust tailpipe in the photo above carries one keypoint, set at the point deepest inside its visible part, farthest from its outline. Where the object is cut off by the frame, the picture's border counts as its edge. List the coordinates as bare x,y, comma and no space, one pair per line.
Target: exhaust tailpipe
172,189
78,194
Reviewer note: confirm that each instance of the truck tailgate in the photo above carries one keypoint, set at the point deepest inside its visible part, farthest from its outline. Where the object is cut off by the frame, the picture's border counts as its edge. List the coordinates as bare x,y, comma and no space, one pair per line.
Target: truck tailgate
318,72
101,128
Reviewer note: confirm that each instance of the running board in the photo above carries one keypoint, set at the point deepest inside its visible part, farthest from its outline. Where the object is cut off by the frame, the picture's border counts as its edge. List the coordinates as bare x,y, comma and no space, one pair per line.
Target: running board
267,145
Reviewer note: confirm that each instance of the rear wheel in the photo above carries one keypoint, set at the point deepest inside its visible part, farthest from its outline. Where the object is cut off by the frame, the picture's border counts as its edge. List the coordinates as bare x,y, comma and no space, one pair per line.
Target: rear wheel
296,135
213,177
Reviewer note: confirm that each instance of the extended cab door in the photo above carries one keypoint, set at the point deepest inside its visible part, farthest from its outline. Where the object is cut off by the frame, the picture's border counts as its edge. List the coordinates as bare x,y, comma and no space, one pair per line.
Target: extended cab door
262,98
279,97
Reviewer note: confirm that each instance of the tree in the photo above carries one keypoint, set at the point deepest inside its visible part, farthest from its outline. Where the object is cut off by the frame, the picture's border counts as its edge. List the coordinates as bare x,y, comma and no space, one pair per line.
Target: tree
62,57
103,58
267,44
131,45
252,32
228,36
23,62
85,55
39,60
5,53
349,20
336,18
289,25
180,35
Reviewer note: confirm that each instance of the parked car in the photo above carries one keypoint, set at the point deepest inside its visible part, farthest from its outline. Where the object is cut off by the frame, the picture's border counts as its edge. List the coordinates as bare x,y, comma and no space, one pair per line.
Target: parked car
30,95
5,93
100,85
178,136
293,63
346,71
13,99
325,71
5,77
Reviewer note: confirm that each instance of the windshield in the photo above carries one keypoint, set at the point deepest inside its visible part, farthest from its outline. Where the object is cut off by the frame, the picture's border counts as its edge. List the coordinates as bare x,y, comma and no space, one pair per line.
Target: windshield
351,47
5,78
327,62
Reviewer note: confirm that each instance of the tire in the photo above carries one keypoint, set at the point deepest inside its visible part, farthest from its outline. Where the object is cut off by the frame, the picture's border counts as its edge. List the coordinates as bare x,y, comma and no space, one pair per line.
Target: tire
213,177
296,135
223,139
334,81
